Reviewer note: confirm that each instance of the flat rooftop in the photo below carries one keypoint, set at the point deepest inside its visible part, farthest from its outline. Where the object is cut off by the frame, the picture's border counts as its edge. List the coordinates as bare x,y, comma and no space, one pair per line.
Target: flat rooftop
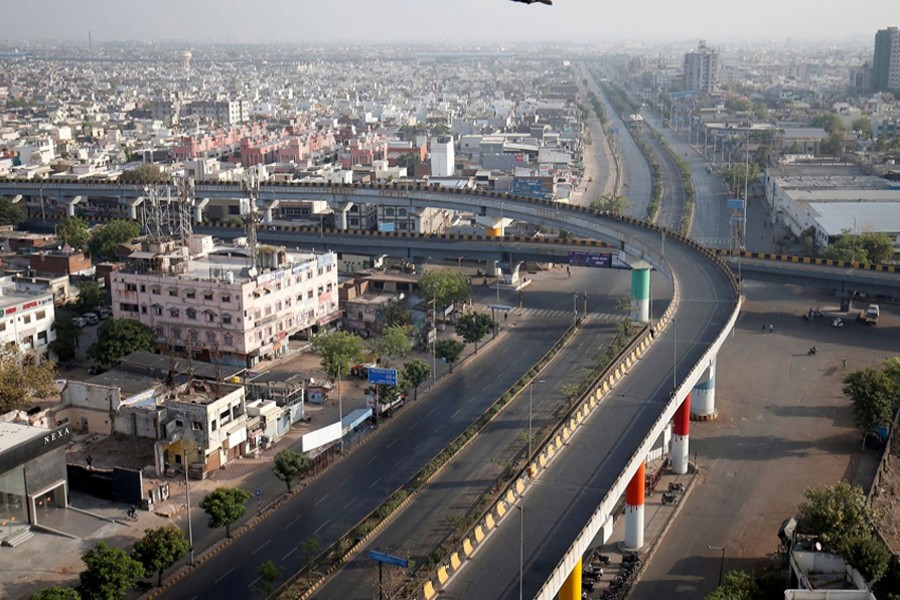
14,434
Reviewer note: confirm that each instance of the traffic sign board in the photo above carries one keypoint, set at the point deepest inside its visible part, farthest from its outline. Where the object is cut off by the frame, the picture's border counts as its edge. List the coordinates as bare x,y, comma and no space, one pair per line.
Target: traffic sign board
388,558
590,259
258,492
383,376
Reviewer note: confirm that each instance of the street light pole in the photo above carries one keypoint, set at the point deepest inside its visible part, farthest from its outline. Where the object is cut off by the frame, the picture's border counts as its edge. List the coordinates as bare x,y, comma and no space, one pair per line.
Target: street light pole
341,411
433,340
575,309
530,409
674,354
721,562
187,493
521,549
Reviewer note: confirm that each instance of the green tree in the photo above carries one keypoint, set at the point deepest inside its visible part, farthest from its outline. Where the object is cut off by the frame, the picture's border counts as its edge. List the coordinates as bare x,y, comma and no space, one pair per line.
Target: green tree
612,204
446,285
338,350
834,144
290,465
224,506
73,231
91,296
863,126
739,104
869,555
409,160
828,121
875,396
268,574
847,247
396,313
449,350
736,585
836,514
110,573
106,239
416,372
392,343
119,337
879,246
159,549
23,377
145,174
67,336
473,326
10,213
57,593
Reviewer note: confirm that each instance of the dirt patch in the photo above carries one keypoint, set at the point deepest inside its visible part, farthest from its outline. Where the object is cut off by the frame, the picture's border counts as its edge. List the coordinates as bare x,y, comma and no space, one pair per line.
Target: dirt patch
108,451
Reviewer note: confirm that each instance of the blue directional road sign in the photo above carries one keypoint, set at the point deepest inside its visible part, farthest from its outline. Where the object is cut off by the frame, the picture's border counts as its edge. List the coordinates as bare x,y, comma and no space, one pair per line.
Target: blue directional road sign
383,376
590,259
389,559
734,204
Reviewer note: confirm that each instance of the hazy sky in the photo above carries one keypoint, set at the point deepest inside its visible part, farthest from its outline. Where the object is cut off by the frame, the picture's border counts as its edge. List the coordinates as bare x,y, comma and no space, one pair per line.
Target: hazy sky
718,21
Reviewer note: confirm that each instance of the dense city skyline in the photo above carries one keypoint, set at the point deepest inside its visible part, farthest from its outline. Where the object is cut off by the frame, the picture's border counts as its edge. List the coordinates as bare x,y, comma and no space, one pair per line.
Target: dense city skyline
399,21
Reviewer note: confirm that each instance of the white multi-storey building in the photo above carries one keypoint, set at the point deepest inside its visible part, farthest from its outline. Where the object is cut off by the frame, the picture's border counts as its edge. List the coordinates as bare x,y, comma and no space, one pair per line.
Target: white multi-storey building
26,320
701,69
216,308
443,158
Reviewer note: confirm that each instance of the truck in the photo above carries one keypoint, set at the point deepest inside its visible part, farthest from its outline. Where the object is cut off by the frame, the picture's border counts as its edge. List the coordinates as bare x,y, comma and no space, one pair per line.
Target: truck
871,315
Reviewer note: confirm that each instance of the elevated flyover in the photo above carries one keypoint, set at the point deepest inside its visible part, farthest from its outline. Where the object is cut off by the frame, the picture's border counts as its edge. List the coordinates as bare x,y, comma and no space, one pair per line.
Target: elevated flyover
572,499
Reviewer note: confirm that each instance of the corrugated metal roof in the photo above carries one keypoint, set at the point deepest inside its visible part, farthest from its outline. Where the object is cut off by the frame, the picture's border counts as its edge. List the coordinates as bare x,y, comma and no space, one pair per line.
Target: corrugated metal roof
862,217
850,196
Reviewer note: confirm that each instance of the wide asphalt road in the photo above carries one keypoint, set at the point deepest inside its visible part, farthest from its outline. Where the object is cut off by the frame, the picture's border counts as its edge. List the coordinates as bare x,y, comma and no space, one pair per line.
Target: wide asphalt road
711,226
671,207
426,521
353,487
635,170
565,496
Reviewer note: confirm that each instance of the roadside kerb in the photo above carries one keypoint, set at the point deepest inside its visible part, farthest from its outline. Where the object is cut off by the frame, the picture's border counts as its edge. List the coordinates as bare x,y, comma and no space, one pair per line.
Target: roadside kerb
418,481
555,442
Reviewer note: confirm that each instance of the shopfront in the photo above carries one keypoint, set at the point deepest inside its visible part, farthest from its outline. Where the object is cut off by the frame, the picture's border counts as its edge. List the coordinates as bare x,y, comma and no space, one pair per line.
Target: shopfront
32,475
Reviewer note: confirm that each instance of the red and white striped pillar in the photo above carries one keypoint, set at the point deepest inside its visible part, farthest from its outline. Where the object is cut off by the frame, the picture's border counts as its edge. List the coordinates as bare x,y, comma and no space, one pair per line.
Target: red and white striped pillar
634,510
681,426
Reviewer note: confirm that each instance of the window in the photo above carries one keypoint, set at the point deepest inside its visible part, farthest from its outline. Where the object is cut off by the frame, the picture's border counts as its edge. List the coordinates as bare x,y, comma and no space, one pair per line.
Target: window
173,291
191,294
214,425
228,339
144,309
195,336
211,337
388,212
130,287
157,309
226,297
210,316
42,337
160,332
226,318
174,312
179,423
176,333
3,326
401,212
207,295
26,319
143,288
40,315
155,290
309,295
191,314
196,425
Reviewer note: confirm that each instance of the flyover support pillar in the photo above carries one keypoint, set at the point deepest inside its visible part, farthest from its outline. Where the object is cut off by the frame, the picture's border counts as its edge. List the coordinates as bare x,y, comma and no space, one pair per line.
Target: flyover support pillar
634,510
704,393
640,294
571,587
682,424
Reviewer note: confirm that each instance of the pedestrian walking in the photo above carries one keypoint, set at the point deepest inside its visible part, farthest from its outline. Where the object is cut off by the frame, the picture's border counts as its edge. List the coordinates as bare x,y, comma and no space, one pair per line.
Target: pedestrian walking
771,328
844,363
569,271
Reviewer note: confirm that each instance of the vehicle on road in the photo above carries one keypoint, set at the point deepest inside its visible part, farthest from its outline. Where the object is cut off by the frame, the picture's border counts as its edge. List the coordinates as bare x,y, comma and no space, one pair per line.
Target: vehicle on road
871,315
79,321
104,313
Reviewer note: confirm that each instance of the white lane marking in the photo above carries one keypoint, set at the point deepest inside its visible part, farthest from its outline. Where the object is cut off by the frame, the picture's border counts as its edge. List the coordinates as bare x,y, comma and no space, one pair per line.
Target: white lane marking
432,410
283,558
393,441
224,575
252,583
438,427
343,482
371,460
321,499
346,506
371,485
263,545
454,414
297,518
321,527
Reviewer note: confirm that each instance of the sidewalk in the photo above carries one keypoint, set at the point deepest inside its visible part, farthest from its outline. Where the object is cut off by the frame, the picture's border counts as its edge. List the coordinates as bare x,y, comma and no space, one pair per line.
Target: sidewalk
657,519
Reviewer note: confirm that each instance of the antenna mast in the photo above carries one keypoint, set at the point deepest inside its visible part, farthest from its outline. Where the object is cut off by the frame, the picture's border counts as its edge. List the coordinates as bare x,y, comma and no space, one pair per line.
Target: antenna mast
250,184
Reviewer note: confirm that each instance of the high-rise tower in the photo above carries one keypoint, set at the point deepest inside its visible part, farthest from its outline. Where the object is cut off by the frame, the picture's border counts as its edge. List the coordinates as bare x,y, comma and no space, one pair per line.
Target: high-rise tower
886,62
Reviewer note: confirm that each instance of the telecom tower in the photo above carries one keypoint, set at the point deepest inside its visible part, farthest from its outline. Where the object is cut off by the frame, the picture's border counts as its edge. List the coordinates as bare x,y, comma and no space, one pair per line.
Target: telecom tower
166,217
250,184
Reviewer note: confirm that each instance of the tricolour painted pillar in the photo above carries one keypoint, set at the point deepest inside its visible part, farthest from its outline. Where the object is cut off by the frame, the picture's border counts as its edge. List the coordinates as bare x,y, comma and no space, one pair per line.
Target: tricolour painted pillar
634,510
704,393
571,587
682,426
640,294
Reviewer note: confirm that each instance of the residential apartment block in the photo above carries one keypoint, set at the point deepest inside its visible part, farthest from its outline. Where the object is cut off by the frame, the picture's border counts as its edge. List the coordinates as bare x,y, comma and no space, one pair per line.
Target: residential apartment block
217,308
26,320
701,69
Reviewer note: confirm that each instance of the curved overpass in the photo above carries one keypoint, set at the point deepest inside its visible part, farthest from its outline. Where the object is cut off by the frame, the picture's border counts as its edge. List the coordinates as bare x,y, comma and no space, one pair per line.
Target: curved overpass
571,499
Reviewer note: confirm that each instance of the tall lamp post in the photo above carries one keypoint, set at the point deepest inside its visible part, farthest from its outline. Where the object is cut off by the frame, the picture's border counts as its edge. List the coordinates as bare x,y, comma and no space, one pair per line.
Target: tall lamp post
674,354
521,549
187,494
341,411
721,562
575,309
